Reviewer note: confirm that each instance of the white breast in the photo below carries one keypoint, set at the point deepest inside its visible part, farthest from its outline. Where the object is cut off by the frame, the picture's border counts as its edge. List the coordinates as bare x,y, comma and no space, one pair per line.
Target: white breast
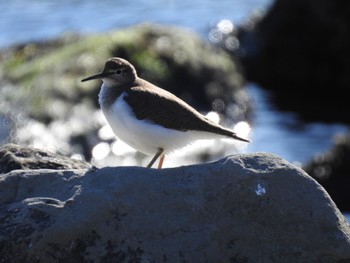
143,135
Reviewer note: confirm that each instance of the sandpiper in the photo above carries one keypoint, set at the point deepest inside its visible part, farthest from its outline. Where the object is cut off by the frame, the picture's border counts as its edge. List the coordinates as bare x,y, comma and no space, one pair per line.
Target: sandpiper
148,118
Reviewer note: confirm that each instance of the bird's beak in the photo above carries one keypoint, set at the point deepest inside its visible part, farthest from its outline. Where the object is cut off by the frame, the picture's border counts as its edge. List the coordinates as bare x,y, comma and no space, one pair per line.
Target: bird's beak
100,75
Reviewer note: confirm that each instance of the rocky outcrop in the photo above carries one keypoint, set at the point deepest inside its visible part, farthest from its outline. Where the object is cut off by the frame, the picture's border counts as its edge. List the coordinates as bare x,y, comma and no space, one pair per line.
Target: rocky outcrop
16,157
243,208
299,51
332,170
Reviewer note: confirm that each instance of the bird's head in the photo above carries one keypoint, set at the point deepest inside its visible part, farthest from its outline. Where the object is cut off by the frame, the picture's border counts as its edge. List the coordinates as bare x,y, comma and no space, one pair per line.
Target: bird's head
117,71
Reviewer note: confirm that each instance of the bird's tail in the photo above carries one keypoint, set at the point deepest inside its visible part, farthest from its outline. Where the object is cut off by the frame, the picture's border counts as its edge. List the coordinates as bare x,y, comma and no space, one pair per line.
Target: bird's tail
215,128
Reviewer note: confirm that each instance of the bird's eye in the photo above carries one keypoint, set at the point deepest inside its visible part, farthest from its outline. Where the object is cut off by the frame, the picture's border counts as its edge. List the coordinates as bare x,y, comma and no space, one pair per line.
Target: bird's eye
118,71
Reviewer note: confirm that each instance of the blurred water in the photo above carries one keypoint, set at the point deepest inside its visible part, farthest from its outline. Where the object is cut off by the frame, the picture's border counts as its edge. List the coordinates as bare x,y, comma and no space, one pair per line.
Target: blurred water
347,216
25,20
283,134
280,133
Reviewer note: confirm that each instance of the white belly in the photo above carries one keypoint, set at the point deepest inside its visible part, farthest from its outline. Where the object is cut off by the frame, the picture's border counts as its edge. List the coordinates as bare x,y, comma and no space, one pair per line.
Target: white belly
145,136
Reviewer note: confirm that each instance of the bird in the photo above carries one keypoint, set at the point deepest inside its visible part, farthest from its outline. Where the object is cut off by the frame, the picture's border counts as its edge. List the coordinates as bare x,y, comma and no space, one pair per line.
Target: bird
148,118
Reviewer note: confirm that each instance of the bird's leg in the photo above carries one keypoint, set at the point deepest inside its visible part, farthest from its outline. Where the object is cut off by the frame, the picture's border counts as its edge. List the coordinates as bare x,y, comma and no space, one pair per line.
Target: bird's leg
159,153
161,160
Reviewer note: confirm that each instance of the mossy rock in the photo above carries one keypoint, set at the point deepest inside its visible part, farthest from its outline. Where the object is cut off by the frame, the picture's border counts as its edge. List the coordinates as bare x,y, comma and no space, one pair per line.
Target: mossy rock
44,76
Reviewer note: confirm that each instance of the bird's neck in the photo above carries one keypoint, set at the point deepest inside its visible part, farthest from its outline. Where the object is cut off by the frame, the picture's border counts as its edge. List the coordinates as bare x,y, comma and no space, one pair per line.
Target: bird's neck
110,91
108,95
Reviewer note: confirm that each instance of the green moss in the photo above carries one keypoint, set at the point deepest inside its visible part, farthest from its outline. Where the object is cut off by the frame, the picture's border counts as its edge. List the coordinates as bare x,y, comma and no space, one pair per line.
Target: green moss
13,62
46,62
169,56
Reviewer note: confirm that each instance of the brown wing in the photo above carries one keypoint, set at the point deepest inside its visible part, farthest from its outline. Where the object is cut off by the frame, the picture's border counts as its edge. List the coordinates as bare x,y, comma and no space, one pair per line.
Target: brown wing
164,108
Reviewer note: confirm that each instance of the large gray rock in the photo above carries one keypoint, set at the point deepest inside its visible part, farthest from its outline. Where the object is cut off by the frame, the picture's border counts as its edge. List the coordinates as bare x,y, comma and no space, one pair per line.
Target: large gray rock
243,208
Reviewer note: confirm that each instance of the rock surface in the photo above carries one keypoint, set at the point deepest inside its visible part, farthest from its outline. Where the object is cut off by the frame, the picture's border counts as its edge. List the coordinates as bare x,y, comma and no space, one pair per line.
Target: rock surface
16,157
243,208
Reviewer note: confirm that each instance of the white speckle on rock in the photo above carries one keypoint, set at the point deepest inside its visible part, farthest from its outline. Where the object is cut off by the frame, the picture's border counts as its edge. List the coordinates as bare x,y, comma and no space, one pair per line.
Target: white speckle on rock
260,189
